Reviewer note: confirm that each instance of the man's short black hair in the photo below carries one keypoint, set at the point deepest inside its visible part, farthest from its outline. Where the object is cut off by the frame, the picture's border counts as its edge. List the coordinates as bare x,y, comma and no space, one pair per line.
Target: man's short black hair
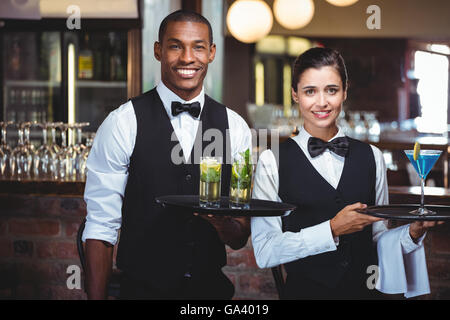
184,15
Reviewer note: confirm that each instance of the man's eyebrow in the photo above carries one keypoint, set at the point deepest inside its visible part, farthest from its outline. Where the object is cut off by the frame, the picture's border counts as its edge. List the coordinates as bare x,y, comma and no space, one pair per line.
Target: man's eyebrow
173,40
179,41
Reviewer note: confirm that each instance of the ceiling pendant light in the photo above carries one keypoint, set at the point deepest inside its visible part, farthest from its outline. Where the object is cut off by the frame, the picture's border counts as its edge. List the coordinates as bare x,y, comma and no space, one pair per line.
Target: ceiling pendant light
342,3
293,14
249,20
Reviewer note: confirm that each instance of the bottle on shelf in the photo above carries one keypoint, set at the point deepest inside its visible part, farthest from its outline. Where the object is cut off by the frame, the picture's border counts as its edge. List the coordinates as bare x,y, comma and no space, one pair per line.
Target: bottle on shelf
117,72
106,53
98,49
44,56
15,61
85,61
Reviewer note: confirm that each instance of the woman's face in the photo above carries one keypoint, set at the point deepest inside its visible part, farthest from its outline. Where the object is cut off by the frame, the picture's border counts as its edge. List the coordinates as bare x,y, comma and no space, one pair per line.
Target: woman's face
320,94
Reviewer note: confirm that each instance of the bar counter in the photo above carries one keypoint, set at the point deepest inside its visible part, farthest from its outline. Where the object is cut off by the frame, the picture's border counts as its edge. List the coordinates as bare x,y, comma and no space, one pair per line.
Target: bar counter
37,187
39,222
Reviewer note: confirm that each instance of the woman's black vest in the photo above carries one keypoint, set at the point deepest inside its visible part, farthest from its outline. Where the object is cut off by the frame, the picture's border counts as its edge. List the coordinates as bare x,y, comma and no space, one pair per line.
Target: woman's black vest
317,201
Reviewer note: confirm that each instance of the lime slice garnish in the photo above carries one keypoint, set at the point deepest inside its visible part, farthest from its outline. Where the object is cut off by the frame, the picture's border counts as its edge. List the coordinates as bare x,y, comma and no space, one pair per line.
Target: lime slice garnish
416,151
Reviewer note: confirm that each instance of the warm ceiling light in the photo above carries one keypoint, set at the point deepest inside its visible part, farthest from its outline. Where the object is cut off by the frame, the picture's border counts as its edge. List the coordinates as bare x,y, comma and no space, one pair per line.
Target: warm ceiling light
293,14
342,3
249,20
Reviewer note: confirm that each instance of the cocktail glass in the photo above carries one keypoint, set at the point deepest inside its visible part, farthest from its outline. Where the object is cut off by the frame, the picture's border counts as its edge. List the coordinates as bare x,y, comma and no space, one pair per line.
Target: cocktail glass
210,179
241,182
423,165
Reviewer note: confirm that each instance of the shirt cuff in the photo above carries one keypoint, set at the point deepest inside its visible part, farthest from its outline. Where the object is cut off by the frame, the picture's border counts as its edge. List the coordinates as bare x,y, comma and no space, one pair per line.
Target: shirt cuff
336,241
408,245
319,239
99,232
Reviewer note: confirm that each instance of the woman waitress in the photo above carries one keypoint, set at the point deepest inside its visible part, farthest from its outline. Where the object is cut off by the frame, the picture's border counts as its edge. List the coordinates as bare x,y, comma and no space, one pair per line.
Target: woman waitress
325,245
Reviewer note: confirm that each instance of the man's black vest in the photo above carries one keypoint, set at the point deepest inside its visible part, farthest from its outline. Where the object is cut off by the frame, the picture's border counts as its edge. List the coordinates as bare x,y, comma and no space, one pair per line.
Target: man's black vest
317,201
160,246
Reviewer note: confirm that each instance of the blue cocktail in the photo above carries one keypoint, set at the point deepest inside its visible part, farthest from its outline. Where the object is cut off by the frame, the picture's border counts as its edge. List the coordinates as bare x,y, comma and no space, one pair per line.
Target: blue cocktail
422,162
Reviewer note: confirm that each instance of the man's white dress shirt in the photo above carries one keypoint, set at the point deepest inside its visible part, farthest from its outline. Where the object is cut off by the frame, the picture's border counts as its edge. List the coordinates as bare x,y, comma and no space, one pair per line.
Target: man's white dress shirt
110,157
273,247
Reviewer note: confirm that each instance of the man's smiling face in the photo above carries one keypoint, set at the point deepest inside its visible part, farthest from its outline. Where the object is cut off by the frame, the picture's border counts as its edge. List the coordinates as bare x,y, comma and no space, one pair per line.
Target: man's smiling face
185,52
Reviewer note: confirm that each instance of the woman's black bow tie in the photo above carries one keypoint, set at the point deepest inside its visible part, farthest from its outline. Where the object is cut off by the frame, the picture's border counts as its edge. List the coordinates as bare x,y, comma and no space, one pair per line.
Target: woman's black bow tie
317,146
193,108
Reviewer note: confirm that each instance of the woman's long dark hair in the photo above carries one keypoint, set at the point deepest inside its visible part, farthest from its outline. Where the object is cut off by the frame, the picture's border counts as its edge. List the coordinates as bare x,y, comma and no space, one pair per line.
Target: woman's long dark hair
316,58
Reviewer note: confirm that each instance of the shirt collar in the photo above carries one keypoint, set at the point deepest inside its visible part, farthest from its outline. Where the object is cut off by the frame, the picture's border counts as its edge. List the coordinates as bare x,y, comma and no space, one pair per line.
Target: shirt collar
167,96
303,136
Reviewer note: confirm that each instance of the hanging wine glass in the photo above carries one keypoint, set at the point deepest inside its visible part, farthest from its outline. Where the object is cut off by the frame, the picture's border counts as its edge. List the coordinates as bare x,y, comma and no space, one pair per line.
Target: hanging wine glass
22,156
71,153
62,166
31,148
45,158
5,152
2,164
54,145
85,154
55,148
79,148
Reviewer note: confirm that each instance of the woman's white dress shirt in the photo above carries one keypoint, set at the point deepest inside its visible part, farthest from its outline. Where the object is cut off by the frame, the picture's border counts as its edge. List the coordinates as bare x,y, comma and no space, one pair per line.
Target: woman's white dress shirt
110,157
273,247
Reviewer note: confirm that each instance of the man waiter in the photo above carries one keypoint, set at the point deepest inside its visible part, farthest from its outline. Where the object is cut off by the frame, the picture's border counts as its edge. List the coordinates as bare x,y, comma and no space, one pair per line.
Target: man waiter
163,254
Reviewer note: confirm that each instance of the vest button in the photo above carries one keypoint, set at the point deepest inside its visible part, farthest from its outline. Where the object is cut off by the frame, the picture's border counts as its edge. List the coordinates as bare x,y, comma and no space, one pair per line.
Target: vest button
338,200
344,264
188,177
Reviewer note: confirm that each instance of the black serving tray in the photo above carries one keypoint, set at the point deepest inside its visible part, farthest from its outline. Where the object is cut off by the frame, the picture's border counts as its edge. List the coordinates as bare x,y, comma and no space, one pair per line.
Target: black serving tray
401,212
258,208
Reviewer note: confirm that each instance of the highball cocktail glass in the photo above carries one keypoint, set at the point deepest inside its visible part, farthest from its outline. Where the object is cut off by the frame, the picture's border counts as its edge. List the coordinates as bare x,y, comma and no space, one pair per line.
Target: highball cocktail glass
210,179
241,181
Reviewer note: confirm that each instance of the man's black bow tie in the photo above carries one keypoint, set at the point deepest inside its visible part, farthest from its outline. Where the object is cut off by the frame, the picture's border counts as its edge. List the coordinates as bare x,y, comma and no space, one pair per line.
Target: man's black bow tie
317,146
193,108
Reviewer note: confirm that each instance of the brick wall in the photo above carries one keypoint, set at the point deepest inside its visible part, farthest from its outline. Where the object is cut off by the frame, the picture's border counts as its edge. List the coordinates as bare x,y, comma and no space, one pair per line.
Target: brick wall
37,245
250,281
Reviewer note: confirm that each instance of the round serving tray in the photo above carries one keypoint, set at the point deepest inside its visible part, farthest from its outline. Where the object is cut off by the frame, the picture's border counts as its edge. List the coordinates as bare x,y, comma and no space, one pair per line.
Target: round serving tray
258,208
402,212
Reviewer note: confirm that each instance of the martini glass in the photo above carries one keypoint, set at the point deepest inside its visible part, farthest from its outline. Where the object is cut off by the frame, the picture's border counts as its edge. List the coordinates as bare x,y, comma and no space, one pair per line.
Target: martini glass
423,165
